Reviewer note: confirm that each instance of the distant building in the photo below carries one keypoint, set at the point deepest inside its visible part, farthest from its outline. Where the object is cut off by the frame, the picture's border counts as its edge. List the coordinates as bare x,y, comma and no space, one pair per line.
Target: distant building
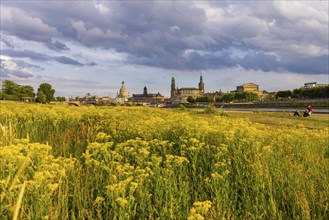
184,93
105,100
147,98
248,87
122,95
214,95
253,88
310,85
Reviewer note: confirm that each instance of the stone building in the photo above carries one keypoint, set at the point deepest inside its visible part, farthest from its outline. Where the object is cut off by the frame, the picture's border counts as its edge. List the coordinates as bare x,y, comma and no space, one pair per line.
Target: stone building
251,87
184,93
122,95
147,98
248,87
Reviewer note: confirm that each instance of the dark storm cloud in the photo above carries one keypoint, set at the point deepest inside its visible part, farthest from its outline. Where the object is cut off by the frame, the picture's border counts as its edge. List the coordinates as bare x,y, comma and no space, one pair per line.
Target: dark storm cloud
275,35
307,65
260,61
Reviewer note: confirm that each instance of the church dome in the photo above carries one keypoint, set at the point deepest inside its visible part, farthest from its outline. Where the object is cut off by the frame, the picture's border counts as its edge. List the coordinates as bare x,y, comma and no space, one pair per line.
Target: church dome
123,90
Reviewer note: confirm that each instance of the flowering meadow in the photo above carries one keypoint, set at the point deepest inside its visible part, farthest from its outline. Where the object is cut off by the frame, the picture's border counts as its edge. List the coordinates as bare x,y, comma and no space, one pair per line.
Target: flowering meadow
90,162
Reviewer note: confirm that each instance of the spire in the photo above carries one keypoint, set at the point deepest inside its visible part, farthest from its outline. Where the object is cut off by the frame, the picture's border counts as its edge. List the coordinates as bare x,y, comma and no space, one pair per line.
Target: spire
201,84
173,87
145,91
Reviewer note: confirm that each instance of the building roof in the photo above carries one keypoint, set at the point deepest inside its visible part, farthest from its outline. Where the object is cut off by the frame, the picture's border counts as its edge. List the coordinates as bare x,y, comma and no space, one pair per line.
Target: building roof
188,88
245,84
148,95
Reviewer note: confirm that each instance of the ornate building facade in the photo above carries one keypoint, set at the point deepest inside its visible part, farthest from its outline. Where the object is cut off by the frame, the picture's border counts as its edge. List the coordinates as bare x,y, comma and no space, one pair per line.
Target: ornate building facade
122,95
147,98
184,93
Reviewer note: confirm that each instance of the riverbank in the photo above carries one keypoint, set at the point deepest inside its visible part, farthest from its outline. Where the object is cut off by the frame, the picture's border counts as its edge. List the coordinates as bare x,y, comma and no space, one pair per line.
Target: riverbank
316,111
295,104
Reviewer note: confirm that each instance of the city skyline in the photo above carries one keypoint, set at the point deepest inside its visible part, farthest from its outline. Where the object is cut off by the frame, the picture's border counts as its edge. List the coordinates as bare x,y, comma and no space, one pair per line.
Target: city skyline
95,45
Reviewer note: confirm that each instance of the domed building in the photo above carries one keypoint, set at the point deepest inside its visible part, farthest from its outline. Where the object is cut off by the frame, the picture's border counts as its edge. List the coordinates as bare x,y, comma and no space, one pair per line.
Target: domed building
122,95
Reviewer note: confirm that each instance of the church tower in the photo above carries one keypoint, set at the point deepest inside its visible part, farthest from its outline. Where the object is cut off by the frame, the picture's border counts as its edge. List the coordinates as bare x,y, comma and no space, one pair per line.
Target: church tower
145,91
201,85
173,87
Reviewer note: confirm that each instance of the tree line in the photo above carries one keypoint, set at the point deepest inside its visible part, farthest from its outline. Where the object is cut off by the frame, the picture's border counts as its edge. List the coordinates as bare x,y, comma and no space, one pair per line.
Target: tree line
13,91
227,97
301,93
304,93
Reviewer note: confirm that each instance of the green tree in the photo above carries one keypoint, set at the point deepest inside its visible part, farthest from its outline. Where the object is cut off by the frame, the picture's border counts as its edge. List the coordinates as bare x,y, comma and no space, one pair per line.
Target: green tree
47,90
60,98
204,99
285,94
26,91
228,97
250,96
190,99
10,88
41,97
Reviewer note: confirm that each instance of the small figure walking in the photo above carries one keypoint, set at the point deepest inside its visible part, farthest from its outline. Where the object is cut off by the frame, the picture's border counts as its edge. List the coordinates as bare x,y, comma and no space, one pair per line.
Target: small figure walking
296,114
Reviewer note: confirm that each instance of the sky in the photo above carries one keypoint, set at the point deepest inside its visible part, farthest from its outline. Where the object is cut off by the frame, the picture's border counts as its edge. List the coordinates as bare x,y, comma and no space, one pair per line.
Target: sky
92,46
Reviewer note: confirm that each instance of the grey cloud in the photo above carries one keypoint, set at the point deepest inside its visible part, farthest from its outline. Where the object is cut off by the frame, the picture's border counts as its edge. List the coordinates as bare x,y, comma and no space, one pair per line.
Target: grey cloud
26,53
7,42
7,72
159,33
67,60
57,45
306,65
260,61
42,57
24,64
18,22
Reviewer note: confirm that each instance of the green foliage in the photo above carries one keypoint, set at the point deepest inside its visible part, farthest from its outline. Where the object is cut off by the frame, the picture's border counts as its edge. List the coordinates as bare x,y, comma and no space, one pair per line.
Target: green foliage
148,163
190,99
41,97
285,94
317,92
227,97
210,109
45,89
13,91
26,91
182,107
60,99
204,99
10,88
238,96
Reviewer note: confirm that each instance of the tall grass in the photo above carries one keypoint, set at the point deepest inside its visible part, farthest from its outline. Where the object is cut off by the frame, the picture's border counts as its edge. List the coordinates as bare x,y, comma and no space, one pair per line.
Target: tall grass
143,163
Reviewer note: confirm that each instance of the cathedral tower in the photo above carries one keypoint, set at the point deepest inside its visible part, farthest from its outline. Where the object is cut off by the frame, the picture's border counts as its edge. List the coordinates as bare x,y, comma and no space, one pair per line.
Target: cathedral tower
145,91
173,87
201,85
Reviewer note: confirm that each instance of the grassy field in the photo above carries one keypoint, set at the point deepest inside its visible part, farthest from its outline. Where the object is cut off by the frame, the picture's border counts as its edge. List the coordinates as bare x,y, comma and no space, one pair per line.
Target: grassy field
317,121
145,163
